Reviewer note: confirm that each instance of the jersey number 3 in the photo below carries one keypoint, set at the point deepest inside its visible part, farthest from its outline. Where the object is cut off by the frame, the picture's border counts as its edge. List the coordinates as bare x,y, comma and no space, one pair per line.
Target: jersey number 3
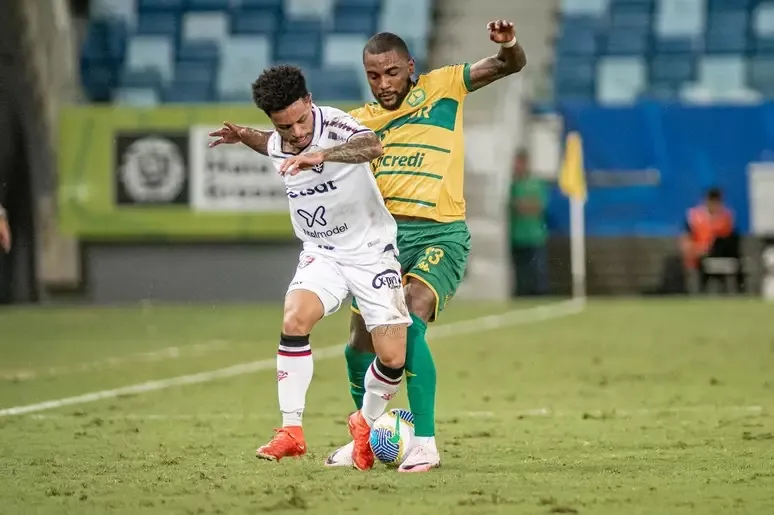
432,257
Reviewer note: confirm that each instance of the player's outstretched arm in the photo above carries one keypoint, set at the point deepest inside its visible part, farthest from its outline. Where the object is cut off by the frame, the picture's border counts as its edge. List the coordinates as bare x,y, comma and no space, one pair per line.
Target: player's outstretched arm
361,148
231,133
509,60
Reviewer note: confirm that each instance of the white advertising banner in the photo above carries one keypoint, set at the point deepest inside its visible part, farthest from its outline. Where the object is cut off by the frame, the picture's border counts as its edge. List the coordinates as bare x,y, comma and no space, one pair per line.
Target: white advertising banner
232,177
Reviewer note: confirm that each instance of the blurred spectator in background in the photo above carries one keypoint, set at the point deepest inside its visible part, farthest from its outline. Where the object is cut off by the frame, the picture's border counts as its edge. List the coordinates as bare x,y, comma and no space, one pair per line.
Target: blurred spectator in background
710,244
5,231
529,233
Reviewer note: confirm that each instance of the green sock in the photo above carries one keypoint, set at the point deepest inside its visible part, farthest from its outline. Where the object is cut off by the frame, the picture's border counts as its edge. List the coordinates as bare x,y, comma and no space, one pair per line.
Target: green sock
357,366
420,378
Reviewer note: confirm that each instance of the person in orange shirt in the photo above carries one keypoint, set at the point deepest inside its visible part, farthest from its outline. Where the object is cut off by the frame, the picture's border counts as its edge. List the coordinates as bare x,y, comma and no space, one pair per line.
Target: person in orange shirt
710,233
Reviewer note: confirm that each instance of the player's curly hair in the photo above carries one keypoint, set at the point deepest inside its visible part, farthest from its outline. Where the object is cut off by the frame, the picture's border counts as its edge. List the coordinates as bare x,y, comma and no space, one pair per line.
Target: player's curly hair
278,87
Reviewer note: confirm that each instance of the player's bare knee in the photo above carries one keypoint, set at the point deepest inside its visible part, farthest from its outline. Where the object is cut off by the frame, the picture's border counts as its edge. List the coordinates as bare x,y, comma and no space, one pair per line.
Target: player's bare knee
393,359
296,324
390,344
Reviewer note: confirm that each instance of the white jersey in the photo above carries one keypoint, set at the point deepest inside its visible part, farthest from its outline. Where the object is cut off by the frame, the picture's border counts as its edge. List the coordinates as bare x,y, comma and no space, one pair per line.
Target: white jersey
336,208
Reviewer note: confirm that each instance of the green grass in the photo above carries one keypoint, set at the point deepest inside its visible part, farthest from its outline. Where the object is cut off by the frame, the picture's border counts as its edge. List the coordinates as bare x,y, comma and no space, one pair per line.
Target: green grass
635,407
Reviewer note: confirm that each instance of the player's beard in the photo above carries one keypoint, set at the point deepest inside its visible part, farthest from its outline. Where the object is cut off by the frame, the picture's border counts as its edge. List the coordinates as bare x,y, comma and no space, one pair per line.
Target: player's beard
399,98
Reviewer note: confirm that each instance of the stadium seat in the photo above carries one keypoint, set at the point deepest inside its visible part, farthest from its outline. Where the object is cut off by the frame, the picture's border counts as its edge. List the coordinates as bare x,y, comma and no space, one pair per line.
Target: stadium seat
574,77
596,8
301,48
577,40
201,51
105,40
173,6
680,18
354,22
409,18
268,5
116,10
137,97
145,78
158,24
208,5
631,20
205,26
721,74
342,49
726,31
334,84
620,79
671,70
255,22
372,6
318,9
762,74
188,92
242,60
194,72
677,45
98,81
626,41
763,20
154,52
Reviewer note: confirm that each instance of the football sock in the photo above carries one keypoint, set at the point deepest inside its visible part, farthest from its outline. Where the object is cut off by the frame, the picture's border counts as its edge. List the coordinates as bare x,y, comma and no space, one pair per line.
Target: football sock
358,363
420,378
294,374
381,385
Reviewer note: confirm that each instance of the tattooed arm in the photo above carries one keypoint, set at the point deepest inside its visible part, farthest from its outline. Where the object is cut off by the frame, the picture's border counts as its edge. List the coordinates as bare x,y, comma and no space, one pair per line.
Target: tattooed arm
508,60
232,133
361,148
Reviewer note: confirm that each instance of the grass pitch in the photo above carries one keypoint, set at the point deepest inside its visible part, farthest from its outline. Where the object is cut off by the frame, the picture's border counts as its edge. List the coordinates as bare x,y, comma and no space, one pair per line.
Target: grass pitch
657,407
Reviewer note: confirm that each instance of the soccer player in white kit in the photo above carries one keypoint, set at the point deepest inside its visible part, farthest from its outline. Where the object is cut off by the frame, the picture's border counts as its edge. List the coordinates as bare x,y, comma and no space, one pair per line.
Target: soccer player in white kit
349,246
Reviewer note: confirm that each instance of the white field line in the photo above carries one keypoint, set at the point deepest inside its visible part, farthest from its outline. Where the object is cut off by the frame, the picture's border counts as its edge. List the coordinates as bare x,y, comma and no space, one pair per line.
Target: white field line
167,353
510,414
490,322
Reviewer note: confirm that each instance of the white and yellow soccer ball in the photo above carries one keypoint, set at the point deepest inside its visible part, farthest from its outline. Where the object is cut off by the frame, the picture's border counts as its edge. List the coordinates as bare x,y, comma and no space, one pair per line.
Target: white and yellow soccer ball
391,436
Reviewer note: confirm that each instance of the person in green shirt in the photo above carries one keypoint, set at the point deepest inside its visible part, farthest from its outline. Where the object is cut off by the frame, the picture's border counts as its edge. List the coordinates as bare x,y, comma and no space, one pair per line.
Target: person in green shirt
528,231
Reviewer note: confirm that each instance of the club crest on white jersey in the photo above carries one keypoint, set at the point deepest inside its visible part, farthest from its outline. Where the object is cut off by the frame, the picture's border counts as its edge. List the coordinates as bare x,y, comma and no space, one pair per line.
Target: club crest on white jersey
336,208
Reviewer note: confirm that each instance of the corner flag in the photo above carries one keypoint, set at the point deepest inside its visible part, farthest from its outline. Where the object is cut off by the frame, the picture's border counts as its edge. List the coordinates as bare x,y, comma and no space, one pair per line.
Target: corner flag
572,180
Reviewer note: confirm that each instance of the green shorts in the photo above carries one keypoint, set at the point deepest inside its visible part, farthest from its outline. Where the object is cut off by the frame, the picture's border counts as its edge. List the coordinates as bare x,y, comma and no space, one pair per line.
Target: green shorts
434,253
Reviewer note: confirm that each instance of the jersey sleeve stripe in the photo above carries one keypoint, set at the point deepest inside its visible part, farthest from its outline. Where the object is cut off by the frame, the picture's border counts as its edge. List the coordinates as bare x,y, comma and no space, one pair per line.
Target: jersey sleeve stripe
410,201
405,172
361,131
466,77
417,145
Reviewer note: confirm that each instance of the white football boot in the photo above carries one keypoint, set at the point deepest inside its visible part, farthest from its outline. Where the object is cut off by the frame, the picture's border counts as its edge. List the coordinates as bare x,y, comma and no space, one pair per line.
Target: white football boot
341,457
421,458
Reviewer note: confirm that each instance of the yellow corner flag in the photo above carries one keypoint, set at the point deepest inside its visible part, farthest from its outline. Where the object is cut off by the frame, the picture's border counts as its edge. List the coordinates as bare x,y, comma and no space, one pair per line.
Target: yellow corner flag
572,179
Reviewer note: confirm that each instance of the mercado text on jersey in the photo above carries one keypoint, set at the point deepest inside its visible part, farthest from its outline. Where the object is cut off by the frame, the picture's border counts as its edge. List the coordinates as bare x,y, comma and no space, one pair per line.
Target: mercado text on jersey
336,208
421,171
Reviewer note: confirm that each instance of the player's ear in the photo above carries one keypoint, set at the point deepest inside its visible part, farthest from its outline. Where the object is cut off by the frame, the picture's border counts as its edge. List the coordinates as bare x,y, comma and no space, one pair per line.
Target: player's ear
308,98
411,66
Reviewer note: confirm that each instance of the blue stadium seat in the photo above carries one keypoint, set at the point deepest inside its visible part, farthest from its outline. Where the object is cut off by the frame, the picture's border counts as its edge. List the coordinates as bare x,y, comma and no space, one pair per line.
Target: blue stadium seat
202,51
148,78
596,8
255,22
762,74
661,92
242,60
620,79
158,24
186,92
579,40
677,45
301,48
672,69
763,45
354,22
114,10
208,5
721,74
343,49
371,6
105,40
173,6
98,80
574,77
154,52
631,20
726,34
274,5
625,41
680,18
205,26
194,71
334,84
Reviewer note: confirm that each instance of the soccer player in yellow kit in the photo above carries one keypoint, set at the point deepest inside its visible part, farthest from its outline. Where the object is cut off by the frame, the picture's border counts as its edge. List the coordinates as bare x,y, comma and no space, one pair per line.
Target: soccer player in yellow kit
420,177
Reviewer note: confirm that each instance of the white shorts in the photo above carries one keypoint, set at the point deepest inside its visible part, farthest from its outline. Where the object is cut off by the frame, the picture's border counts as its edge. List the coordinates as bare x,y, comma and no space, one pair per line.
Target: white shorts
377,287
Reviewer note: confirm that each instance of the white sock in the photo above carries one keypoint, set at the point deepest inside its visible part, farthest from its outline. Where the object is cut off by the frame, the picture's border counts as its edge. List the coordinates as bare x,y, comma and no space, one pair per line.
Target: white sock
425,441
294,374
381,385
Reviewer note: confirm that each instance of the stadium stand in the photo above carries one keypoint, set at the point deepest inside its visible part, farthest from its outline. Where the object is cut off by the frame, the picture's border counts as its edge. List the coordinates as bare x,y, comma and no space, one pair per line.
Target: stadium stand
619,51
144,52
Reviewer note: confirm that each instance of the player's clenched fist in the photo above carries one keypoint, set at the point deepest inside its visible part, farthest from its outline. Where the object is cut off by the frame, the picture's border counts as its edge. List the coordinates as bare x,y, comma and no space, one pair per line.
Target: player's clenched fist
501,31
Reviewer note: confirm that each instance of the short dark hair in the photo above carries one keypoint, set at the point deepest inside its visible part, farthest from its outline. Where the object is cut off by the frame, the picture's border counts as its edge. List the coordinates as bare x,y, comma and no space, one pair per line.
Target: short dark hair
714,194
386,42
278,87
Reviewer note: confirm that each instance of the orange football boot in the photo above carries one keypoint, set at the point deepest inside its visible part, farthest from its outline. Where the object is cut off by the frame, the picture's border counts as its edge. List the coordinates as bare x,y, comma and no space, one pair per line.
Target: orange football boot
362,455
287,443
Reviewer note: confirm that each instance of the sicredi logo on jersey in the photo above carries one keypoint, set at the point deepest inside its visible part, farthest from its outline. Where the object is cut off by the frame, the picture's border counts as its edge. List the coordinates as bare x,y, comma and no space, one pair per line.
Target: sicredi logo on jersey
317,218
325,187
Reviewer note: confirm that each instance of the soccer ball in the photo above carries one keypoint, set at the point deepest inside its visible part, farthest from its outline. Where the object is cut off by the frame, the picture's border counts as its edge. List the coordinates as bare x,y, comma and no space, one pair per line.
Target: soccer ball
391,435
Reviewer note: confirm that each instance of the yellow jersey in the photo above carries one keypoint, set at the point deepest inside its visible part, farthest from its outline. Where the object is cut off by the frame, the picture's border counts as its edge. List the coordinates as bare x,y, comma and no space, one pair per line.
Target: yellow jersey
422,170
